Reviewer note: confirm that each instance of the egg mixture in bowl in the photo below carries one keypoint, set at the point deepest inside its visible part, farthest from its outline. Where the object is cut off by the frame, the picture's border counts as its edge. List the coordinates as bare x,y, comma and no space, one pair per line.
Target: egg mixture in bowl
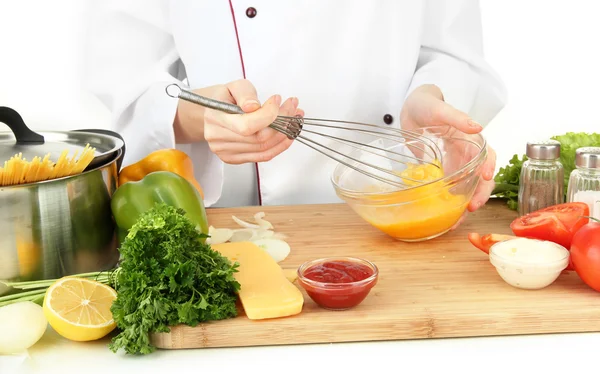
437,186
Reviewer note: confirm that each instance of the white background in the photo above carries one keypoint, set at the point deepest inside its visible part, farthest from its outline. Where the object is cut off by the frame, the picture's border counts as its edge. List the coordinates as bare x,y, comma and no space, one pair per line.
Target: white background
546,52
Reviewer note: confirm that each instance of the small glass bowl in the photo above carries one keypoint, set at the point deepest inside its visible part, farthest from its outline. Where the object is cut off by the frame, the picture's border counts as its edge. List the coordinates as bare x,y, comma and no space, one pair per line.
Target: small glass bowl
422,212
338,296
529,276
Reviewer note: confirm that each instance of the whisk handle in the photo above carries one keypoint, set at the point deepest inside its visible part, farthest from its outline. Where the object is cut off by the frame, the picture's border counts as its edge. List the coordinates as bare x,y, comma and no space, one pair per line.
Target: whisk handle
201,100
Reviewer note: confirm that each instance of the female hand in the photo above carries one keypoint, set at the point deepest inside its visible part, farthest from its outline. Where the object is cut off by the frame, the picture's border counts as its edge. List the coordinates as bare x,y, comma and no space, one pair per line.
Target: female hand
236,138
425,107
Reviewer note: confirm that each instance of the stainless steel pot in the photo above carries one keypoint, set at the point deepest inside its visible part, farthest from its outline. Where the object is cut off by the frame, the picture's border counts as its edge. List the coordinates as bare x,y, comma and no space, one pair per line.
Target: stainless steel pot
59,227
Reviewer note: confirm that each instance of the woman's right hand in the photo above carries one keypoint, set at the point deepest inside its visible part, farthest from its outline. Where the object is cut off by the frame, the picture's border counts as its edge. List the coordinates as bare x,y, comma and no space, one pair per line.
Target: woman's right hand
235,138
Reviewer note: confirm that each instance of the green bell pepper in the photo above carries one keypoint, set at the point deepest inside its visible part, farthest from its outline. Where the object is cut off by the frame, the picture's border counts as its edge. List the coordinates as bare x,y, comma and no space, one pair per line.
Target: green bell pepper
133,198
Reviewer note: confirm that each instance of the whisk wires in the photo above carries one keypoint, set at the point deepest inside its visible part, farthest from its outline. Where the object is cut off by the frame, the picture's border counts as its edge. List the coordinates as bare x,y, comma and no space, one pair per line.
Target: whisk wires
423,148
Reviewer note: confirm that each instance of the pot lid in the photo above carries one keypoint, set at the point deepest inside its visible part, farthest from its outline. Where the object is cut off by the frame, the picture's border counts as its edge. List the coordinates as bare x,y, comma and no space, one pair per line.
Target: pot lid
22,140
56,142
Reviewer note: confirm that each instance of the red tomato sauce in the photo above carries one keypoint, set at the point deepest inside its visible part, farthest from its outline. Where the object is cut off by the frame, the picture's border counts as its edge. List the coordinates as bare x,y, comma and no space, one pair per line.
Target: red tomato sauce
338,272
341,286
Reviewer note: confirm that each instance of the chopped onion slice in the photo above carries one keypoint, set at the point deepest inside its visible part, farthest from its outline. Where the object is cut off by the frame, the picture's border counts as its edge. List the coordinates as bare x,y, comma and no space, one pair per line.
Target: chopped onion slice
243,235
218,236
245,224
262,223
276,248
262,234
279,235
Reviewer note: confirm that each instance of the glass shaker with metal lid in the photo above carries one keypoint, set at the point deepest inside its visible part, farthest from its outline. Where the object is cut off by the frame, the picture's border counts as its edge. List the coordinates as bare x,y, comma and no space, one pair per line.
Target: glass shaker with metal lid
584,182
542,177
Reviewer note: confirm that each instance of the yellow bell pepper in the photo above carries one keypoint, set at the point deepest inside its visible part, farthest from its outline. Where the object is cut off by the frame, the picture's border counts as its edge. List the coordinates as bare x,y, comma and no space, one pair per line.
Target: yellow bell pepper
172,160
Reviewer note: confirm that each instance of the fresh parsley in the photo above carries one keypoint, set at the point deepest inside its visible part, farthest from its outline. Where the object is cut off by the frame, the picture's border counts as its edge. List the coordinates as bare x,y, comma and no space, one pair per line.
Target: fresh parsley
168,276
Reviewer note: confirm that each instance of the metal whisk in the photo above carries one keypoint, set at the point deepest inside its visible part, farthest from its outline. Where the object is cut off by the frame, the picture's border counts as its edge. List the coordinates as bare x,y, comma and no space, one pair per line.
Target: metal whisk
295,128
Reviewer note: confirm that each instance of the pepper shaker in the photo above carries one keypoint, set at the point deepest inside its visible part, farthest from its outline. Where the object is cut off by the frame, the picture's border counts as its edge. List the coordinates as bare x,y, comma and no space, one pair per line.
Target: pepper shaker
584,181
542,177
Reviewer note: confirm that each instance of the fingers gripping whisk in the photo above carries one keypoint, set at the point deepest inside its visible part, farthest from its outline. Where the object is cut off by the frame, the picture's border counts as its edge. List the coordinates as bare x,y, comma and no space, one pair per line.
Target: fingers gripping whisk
376,159
290,126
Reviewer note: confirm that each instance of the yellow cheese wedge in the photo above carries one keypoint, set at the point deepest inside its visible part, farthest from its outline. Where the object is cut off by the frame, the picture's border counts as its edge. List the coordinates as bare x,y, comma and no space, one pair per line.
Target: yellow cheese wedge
265,292
290,274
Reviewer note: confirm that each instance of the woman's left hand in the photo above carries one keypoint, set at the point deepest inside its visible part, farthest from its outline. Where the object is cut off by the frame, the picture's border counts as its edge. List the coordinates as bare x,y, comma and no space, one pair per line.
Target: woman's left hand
425,107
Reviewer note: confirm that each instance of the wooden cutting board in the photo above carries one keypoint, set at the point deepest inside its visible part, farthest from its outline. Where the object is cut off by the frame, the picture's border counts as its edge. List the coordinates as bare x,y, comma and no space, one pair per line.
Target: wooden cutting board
436,289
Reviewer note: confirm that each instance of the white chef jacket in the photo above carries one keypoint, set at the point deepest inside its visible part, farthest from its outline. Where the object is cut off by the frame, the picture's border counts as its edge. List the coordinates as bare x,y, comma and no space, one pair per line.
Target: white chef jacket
354,60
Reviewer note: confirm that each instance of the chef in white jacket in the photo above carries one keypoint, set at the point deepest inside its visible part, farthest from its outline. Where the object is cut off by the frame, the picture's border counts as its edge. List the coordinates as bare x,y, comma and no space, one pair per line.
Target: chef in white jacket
373,61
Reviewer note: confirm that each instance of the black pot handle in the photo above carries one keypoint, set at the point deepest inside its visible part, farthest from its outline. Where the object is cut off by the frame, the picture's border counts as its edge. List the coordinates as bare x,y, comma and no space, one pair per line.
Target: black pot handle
23,134
109,133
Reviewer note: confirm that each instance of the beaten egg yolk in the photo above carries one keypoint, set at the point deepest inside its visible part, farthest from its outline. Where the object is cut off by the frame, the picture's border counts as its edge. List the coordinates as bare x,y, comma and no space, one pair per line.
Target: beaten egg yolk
416,214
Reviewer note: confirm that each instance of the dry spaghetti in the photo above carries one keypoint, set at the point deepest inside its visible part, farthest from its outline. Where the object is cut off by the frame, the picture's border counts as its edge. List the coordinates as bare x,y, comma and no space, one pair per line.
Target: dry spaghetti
17,170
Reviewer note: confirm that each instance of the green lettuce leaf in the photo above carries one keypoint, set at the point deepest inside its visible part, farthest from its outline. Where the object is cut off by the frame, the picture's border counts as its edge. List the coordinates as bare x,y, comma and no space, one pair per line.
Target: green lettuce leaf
569,143
507,181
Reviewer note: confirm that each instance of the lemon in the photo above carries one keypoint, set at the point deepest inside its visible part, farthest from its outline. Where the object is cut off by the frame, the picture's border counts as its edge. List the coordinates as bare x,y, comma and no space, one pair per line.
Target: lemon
79,309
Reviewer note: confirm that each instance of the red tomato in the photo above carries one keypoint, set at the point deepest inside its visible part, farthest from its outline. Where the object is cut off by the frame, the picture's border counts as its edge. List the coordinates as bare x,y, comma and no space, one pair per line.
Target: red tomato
557,223
585,254
485,242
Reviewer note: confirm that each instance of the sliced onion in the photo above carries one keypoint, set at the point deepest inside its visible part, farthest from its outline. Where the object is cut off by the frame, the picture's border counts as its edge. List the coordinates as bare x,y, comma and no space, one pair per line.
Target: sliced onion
279,235
218,236
262,223
243,235
276,248
263,234
245,224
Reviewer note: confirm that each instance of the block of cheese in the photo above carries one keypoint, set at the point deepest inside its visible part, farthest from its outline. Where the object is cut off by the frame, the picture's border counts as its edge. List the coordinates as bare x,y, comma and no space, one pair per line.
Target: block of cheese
265,292
290,274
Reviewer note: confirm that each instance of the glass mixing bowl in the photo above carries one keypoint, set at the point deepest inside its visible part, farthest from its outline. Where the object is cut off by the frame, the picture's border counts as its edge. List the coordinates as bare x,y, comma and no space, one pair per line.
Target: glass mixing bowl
414,212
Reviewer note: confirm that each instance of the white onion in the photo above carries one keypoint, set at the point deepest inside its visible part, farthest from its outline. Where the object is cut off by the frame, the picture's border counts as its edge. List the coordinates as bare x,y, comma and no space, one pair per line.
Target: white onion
279,235
277,249
245,224
261,234
262,223
218,236
243,235
22,324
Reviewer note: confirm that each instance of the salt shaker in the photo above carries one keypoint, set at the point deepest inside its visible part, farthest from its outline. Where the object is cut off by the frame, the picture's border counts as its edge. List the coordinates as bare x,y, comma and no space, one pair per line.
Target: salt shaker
542,177
584,181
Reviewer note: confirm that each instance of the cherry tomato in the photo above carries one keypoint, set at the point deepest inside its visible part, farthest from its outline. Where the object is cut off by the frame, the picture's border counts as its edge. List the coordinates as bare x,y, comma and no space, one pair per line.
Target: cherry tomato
585,254
485,242
557,223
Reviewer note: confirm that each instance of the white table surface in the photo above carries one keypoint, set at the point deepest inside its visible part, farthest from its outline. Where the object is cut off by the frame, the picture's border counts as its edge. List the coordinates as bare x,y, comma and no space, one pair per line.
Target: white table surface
533,354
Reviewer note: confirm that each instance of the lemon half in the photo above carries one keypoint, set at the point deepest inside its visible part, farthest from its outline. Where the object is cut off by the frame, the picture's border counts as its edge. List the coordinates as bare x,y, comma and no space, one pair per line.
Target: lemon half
79,309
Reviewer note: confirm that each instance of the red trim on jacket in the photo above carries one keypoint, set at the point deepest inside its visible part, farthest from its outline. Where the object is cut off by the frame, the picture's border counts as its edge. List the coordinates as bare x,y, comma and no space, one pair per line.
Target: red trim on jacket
244,74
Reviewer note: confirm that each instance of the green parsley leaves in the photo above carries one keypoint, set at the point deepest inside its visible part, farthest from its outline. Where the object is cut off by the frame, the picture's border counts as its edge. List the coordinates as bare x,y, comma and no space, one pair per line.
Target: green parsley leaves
167,277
